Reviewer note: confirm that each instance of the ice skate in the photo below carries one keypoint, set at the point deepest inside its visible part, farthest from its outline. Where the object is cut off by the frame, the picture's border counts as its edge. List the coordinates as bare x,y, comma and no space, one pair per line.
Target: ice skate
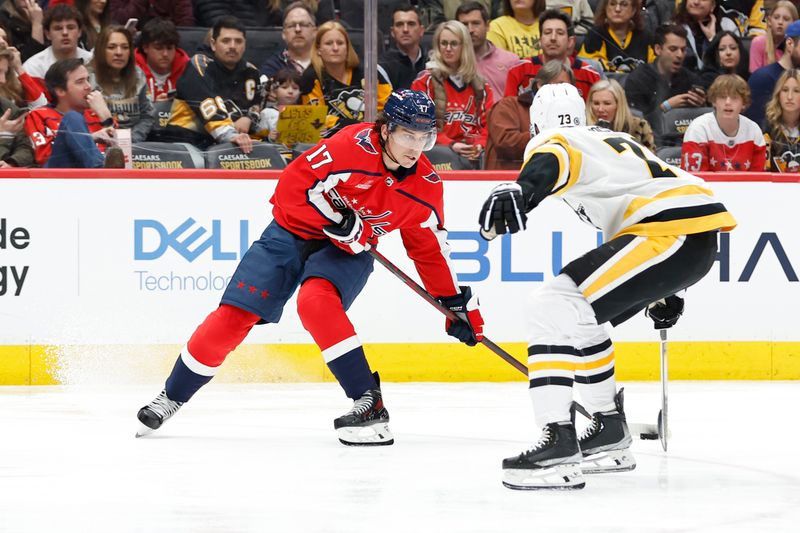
552,463
366,424
606,443
154,414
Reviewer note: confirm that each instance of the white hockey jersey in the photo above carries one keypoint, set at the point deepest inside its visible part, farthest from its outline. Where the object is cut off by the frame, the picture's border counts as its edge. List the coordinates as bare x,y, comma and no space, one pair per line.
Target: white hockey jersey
617,185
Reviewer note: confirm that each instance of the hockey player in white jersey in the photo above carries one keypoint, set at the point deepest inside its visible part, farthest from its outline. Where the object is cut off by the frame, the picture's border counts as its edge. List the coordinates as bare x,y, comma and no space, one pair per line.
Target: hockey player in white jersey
660,224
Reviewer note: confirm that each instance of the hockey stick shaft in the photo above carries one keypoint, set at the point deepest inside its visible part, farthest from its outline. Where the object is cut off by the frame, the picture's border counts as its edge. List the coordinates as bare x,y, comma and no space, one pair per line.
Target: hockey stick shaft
416,287
664,430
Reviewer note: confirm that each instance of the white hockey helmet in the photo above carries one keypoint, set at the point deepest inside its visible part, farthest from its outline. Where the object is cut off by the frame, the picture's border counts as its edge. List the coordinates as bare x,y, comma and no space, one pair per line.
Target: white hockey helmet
557,105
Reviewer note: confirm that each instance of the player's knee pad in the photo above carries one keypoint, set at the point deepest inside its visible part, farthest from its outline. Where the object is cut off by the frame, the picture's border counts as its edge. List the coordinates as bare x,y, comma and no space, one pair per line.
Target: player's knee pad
222,331
317,302
554,311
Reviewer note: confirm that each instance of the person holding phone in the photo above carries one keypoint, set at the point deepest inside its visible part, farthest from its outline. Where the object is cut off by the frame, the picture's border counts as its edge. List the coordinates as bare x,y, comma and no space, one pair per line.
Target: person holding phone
702,19
665,83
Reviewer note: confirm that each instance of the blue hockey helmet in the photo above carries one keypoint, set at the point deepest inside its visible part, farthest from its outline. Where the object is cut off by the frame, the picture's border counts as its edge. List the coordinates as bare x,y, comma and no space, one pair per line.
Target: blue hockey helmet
413,110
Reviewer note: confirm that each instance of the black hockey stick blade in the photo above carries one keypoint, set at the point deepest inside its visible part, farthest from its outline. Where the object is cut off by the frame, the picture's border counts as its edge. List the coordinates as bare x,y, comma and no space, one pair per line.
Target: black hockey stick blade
416,287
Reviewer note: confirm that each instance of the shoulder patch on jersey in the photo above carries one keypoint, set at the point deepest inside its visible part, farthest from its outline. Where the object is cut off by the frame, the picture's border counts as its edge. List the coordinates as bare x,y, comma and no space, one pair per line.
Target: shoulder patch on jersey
364,141
433,177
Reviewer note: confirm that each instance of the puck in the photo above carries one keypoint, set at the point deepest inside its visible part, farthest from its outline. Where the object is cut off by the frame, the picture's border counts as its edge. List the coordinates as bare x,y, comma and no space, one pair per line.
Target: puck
648,436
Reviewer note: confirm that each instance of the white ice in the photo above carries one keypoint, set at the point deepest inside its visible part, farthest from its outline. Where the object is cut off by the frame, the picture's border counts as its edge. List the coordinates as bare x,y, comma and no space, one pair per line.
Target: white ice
265,458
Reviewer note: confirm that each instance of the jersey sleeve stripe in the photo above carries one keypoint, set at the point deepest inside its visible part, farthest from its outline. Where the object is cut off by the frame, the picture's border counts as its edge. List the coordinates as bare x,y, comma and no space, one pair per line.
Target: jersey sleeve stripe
722,221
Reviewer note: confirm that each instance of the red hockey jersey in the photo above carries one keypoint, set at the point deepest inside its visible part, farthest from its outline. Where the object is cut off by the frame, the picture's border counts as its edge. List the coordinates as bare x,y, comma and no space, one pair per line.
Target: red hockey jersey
706,147
41,126
465,118
519,77
346,171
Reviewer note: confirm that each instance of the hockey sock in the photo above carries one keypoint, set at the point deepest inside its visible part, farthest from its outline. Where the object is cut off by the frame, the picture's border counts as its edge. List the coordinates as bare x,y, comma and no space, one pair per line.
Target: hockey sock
322,313
218,335
551,370
594,377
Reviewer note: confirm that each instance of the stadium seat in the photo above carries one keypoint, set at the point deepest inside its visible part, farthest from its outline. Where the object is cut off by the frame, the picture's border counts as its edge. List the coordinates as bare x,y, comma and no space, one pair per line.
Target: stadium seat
163,112
670,154
261,42
166,155
442,157
299,148
264,156
669,127
620,77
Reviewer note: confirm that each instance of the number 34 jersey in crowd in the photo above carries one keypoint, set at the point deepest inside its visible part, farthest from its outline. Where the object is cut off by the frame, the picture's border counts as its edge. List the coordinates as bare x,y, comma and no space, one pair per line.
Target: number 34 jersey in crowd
346,171
617,185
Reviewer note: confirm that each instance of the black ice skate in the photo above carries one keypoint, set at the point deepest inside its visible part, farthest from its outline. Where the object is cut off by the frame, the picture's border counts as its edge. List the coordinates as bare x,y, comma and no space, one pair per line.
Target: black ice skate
366,424
552,463
154,414
606,443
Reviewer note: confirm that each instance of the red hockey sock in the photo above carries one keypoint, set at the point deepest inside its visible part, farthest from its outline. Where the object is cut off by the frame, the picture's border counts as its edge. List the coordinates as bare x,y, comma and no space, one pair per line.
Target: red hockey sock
322,313
220,333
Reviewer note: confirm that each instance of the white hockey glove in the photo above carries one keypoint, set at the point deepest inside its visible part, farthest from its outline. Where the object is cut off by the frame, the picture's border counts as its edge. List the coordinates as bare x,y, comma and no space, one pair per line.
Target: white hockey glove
503,212
352,234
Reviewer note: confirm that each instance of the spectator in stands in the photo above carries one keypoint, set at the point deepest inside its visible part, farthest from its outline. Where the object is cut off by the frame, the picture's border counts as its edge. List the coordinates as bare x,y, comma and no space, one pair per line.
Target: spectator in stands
178,11
284,90
62,27
406,59
23,21
216,100
618,40
518,30
782,124
160,58
253,13
768,47
762,82
657,13
493,7
509,121
725,55
558,39
96,16
578,10
702,19
33,93
665,83
15,148
114,73
608,107
299,31
335,79
493,62
724,140
66,133
460,94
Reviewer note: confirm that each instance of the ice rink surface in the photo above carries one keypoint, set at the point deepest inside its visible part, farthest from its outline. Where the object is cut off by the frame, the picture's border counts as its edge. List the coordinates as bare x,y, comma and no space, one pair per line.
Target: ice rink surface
265,458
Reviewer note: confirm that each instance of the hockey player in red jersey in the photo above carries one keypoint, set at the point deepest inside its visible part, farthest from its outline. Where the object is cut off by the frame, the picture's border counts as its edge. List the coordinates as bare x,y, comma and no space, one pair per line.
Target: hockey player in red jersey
330,206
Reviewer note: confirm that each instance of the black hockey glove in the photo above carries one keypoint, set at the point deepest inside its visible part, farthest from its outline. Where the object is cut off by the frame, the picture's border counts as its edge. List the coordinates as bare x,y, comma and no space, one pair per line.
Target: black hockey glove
469,329
665,313
503,212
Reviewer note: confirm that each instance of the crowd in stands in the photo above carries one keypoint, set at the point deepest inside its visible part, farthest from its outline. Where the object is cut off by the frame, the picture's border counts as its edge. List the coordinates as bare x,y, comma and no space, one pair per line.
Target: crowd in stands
708,85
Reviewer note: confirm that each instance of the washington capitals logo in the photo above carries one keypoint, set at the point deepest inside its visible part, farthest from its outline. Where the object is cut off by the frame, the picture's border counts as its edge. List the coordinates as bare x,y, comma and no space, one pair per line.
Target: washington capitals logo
365,142
433,177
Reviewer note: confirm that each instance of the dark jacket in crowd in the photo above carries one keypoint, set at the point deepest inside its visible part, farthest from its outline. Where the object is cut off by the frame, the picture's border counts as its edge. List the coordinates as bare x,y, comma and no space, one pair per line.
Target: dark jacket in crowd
15,149
646,88
400,69
20,31
178,11
253,13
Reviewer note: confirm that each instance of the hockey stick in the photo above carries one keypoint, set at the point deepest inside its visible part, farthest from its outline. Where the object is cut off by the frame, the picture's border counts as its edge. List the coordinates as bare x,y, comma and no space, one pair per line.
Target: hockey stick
442,309
660,431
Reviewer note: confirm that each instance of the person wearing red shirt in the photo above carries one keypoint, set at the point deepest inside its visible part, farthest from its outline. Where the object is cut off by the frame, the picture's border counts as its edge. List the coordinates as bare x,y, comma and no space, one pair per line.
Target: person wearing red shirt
330,206
160,58
724,140
461,95
557,40
66,133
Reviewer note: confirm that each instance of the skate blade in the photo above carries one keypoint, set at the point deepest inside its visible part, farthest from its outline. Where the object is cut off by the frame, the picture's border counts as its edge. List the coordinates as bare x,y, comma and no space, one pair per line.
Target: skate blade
143,431
609,461
372,435
558,477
